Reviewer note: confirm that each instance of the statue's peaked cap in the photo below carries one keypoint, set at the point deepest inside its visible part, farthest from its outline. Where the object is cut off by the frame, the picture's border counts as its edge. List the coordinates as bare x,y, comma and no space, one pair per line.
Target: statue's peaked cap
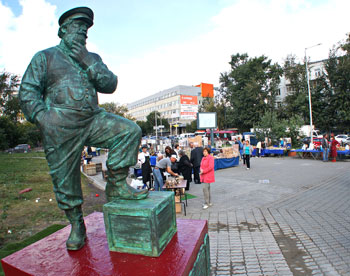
83,13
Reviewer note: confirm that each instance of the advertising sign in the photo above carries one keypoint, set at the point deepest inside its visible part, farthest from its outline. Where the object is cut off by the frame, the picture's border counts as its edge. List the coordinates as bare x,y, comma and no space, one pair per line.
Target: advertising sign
206,120
189,107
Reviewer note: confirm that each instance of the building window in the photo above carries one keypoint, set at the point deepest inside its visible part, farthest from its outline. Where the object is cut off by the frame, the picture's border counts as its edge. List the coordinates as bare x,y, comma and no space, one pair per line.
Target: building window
290,89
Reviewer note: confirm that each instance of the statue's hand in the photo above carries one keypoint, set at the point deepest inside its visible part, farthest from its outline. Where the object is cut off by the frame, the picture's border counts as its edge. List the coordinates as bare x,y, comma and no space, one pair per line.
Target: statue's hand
81,55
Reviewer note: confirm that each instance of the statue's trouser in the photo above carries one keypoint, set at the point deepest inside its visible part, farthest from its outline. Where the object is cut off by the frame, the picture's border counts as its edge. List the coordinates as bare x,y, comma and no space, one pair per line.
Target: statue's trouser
66,131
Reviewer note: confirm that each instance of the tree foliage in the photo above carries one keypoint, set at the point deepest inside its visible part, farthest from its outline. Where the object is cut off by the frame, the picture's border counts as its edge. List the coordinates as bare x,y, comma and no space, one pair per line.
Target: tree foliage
147,127
337,85
296,100
117,109
270,126
9,103
218,105
250,89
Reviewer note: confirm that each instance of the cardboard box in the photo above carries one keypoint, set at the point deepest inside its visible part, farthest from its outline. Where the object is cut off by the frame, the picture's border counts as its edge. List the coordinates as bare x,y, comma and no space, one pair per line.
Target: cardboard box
90,169
178,207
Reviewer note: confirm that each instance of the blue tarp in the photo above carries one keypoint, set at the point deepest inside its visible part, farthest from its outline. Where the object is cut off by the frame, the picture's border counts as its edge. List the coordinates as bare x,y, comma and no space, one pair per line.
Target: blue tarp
222,163
153,160
273,151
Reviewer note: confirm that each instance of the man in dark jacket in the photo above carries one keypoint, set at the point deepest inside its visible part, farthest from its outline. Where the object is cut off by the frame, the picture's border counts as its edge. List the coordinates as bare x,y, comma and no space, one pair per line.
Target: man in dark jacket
325,147
196,158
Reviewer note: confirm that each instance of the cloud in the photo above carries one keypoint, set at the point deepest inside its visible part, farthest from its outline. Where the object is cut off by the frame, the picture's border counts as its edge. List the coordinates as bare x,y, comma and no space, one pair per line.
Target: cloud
22,36
272,28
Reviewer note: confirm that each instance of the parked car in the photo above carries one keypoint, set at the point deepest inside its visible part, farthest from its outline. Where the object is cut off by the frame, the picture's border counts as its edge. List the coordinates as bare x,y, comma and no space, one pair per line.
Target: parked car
341,138
316,140
347,141
22,148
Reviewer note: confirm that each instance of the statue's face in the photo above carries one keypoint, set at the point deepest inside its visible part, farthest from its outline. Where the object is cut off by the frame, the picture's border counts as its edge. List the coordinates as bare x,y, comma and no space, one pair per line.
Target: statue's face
76,31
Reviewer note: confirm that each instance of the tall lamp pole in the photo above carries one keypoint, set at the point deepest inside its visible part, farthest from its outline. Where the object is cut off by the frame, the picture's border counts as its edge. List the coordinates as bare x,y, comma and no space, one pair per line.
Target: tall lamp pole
309,91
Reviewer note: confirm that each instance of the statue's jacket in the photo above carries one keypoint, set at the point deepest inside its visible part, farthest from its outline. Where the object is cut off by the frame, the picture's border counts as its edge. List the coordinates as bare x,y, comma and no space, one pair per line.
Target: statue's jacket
54,80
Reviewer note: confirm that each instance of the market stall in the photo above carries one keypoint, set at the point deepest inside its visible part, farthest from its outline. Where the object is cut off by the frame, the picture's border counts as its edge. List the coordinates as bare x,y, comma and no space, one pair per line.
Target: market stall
228,157
222,163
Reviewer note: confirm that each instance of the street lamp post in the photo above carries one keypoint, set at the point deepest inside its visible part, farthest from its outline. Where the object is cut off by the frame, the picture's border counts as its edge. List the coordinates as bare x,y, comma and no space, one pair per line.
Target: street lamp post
309,92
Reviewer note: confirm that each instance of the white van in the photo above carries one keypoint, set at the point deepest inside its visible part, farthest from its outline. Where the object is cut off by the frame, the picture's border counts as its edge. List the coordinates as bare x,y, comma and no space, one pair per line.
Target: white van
186,135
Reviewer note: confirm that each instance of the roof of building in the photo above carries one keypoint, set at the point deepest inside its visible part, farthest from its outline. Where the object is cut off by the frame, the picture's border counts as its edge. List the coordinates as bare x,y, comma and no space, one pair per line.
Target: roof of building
176,90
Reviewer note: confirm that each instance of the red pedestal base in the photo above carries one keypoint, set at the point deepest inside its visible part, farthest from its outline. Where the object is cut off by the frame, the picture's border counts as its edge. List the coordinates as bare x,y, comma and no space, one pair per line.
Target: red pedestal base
49,256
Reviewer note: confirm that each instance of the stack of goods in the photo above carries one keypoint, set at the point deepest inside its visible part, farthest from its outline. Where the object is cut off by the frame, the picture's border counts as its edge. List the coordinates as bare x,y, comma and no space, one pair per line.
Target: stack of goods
90,169
226,152
341,148
172,182
197,141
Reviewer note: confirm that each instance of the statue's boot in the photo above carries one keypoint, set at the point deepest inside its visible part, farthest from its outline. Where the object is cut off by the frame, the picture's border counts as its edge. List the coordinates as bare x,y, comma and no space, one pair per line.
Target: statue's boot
118,188
77,235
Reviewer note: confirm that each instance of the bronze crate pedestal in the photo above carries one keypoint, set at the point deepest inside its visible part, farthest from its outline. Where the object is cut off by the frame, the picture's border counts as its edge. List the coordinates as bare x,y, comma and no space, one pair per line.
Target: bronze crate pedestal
142,227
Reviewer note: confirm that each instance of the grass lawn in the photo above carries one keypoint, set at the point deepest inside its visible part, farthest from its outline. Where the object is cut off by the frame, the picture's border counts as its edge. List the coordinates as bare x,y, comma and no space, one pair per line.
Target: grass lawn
23,215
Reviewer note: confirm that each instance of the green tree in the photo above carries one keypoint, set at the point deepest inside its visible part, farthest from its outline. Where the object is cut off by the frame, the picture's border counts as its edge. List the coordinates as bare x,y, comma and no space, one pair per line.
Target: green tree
218,105
144,127
296,101
270,126
9,104
338,85
191,127
147,126
250,89
117,109
9,133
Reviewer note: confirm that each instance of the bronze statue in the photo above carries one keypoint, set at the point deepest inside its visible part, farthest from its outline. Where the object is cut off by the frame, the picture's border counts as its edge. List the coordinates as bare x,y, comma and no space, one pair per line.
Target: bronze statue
59,94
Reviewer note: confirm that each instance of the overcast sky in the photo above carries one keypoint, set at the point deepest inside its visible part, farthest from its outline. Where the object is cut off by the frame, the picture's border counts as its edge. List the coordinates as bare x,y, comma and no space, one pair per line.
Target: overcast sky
154,45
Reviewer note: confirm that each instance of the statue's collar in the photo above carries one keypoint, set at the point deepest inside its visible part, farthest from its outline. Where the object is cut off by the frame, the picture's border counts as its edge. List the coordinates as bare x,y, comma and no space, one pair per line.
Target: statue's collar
62,46
66,51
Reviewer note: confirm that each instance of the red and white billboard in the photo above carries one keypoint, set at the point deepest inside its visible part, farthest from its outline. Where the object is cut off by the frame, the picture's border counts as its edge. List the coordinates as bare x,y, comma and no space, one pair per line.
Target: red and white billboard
189,107
192,100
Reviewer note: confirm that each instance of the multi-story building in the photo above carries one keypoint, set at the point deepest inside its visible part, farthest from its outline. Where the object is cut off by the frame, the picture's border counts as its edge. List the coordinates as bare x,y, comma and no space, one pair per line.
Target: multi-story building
316,69
179,104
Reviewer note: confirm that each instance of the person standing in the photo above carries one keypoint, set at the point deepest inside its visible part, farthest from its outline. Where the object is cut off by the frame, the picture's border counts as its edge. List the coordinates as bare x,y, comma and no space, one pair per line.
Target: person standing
325,147
185,168
242,152
247,150
196,158
163,165
334,145
144,160
240,147
258,149
207,176
177,150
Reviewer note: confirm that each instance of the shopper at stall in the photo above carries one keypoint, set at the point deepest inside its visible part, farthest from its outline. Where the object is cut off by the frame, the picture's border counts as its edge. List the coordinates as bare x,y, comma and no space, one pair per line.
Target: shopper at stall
185,168
207,176
247,150
163,165
242,151
177,150
144,160
258,149
325,147
240,147
196,158
169,151
334,145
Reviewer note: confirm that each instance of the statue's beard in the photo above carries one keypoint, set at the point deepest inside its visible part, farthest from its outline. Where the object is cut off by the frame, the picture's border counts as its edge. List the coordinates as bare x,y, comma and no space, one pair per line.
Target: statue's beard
78,37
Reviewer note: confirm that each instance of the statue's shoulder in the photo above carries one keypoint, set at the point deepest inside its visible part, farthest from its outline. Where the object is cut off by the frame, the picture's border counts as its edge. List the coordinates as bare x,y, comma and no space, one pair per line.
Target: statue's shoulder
96,56
50,50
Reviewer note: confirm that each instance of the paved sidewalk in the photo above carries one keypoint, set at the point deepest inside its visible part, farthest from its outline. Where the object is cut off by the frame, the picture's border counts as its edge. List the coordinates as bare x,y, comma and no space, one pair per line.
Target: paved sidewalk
285,216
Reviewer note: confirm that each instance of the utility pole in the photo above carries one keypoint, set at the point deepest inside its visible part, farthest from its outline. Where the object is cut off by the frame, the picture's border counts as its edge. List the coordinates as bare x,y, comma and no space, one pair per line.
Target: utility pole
309,92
